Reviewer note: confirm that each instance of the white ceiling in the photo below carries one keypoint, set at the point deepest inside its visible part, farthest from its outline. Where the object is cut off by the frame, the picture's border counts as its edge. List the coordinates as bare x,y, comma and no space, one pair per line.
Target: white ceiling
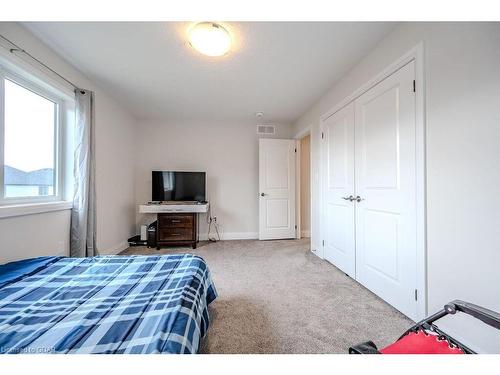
279,68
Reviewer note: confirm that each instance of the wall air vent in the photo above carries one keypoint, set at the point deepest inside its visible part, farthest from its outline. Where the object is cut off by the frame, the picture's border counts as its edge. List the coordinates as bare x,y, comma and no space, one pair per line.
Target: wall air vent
266,129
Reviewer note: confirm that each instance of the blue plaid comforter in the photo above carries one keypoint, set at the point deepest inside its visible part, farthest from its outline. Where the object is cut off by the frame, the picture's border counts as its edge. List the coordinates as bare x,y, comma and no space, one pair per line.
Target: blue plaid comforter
108,304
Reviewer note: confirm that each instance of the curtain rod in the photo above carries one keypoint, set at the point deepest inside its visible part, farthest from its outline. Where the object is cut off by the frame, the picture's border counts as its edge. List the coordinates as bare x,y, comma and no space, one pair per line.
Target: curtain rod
19,49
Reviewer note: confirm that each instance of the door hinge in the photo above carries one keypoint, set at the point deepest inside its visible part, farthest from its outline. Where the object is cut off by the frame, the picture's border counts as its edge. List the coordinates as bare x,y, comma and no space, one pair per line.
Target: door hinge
295,150
322,135
414,86
416,295
295,227
323,243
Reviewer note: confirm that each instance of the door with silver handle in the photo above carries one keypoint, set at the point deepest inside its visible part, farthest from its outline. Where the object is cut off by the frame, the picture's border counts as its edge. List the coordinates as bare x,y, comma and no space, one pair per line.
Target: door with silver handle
352,198
349,198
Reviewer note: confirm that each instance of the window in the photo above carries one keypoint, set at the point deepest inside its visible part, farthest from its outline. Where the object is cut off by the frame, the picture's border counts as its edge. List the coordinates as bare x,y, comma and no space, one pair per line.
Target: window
30,142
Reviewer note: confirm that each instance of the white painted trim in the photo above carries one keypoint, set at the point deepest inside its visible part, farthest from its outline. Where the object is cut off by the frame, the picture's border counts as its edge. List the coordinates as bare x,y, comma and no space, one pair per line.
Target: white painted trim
301,134
27,67
317,249
116,249
415,54
233,236
321,166
421,179
26,81
304,132
298,204
33,208
158,208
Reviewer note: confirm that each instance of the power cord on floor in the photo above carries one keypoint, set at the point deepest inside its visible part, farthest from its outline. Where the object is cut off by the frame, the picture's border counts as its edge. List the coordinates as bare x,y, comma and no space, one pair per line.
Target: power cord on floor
212,220
216,226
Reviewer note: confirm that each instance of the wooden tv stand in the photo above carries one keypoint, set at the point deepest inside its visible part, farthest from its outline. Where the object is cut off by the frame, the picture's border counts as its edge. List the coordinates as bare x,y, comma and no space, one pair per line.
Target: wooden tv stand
177,229
177,222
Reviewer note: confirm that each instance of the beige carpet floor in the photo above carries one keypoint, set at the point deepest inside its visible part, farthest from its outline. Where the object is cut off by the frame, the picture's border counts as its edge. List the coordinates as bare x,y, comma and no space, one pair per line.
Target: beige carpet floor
278,297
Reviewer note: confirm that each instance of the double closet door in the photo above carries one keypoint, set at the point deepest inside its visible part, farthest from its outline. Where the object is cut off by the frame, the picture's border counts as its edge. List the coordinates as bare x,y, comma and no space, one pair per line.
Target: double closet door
369,190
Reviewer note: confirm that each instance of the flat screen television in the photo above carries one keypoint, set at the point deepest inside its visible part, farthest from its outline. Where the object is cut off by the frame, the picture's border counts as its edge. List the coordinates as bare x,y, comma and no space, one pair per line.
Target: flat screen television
178,186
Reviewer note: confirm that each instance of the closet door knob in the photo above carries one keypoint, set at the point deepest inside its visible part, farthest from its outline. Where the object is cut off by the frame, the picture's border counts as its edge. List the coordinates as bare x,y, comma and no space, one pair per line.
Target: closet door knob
262,194
349,198
359,199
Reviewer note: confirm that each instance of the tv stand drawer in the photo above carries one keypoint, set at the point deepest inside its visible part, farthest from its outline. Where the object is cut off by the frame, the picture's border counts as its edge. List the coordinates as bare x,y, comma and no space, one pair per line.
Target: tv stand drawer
175,234
177,229
176,221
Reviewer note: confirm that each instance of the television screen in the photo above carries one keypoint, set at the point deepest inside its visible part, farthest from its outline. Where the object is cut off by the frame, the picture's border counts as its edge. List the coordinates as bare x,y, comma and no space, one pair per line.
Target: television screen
178,186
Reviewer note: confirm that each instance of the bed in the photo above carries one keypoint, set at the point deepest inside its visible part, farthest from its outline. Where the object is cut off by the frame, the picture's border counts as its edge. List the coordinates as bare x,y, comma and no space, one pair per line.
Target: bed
107,304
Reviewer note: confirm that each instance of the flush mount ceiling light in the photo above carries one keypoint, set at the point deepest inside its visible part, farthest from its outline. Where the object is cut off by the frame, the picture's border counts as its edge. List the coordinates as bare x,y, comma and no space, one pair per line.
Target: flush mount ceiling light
210,39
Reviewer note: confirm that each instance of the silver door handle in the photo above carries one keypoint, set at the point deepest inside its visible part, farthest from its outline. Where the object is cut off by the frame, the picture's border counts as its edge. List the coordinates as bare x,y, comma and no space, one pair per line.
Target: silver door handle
349,198
359,199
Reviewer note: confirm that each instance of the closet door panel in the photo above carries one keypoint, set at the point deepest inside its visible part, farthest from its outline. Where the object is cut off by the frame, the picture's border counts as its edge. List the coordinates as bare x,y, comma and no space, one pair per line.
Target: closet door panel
386,184
338,185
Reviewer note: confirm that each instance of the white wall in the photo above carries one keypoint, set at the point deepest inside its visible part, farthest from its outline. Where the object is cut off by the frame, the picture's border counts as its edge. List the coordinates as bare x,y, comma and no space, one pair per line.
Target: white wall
115,175
226,151
462,67
305,186
34,235
48,233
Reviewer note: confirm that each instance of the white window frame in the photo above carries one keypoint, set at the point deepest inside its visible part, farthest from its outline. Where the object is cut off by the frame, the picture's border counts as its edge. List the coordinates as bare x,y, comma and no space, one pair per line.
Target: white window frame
59,149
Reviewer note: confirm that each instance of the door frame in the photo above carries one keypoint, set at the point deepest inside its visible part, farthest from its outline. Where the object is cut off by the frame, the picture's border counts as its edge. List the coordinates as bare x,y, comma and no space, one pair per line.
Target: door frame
415,54
298,137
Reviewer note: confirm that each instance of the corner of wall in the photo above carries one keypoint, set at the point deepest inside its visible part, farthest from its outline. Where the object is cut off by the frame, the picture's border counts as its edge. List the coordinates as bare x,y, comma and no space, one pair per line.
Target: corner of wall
115,250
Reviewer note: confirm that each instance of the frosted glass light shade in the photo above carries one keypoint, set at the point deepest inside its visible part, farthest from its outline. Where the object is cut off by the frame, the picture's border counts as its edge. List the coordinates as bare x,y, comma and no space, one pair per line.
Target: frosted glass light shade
210,39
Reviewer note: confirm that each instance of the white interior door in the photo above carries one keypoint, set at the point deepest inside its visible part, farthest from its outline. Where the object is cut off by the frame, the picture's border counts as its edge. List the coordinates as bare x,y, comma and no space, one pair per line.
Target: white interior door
276,188
338,189
386,182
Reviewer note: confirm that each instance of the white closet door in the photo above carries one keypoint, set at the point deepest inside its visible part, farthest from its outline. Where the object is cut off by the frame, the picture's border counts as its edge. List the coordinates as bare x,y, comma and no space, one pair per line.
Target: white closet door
277,189
338,188
386,183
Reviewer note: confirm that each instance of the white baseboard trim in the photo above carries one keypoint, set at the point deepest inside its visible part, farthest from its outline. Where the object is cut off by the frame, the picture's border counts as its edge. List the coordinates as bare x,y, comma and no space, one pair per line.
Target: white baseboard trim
315,249
231,236
114,250
118,248
305,233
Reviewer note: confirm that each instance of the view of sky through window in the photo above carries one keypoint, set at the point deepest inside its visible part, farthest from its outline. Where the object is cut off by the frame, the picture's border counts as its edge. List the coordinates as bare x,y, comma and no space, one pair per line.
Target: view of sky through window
28,142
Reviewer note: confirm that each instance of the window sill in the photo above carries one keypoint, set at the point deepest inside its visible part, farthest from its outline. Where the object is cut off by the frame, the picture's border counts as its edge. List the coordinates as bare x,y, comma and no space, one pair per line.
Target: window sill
33,208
